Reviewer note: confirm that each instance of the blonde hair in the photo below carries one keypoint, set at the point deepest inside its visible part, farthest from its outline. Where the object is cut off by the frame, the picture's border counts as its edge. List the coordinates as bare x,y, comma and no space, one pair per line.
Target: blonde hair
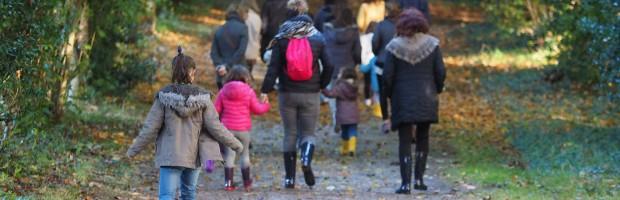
301,6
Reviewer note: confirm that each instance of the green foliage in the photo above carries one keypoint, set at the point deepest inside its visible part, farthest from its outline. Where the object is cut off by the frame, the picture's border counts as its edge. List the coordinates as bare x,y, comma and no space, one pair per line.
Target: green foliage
118,60
566,141
564,130
32,35
34,65
590,44
587,31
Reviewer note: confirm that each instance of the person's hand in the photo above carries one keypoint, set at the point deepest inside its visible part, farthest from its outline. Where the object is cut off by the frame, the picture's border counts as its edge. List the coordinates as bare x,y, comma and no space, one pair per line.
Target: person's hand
385,128
264,98
130,155
221,70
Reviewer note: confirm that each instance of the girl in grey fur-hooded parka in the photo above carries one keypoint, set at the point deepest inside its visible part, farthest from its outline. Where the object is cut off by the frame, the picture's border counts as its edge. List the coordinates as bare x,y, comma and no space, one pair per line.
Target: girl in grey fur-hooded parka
183,122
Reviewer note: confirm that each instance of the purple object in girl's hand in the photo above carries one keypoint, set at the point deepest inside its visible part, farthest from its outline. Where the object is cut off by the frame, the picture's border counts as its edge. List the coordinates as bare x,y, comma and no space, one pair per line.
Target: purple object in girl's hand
209,166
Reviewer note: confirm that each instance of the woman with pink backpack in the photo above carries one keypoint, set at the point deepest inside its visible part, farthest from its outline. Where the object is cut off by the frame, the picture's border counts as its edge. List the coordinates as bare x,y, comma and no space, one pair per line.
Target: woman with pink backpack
295,54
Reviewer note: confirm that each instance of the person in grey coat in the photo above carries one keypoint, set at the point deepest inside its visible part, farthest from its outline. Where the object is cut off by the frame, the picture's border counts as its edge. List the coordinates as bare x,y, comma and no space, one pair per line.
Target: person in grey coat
230,43
413,77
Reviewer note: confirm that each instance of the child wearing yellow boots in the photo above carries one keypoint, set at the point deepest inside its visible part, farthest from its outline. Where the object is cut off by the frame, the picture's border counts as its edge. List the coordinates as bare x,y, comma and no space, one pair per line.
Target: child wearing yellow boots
347,112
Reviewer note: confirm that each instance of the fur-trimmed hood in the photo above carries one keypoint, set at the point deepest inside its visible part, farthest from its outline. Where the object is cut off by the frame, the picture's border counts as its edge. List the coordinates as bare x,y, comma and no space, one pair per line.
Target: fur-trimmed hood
184,99
413,49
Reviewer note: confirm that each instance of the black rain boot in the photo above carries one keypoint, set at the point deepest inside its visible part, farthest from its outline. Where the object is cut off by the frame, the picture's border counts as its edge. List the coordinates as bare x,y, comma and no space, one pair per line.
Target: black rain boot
307,149
405,175
247,181
228,179
420,167
290,159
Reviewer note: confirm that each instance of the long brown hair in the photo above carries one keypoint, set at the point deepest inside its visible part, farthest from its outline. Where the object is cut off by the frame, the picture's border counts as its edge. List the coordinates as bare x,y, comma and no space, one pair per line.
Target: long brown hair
238,73
181,68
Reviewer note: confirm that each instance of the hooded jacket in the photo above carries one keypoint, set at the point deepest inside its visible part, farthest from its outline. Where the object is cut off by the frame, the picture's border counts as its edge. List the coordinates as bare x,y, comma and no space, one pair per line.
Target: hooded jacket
345,93
235,103
414,75
179,121
343,46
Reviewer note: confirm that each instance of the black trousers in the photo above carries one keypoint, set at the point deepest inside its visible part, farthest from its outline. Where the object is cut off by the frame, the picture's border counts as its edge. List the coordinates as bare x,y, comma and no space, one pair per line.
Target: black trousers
367,90
383,100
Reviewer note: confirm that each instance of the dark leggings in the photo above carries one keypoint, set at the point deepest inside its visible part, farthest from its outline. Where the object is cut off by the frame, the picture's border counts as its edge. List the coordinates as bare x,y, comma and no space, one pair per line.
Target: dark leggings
405,135
383,102
367,90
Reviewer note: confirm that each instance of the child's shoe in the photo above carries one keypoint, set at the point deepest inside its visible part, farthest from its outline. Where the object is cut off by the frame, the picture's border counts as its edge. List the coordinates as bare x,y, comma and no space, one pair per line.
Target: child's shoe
247,181
228,179
352,146
344,147
376,110
209,166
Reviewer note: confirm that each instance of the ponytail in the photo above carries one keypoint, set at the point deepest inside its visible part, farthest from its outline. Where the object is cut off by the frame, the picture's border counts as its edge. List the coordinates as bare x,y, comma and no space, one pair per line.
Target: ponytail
181,66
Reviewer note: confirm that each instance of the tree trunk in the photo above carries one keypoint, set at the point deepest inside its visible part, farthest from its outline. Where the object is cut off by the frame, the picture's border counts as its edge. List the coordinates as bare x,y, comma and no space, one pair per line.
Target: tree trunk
533,9
70,55
81,40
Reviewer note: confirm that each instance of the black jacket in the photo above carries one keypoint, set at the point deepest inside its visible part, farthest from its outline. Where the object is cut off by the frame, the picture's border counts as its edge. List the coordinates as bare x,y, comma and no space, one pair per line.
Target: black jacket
277,69
324,15
343,46
413,89
421,5
273,14
230,43
384,32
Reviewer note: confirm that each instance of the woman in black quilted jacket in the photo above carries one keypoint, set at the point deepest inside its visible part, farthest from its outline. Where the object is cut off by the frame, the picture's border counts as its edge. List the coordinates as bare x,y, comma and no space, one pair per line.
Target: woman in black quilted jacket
413,77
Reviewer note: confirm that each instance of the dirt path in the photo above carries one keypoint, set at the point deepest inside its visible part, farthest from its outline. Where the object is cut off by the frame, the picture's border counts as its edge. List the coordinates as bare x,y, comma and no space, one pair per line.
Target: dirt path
372,174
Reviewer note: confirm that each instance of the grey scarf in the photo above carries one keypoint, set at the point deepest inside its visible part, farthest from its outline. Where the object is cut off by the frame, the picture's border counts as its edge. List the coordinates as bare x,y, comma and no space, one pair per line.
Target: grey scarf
413,49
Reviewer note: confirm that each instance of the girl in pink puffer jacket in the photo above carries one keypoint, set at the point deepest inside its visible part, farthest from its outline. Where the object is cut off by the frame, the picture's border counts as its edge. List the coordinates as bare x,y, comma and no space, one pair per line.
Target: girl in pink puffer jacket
235,103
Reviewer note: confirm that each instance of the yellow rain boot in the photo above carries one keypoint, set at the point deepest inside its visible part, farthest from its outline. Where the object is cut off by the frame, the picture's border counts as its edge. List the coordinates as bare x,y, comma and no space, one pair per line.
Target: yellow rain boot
352,145
344,147
376,110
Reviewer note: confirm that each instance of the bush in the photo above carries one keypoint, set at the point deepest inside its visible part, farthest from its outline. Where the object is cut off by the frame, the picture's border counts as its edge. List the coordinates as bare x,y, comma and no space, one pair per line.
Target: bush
118,58
590,44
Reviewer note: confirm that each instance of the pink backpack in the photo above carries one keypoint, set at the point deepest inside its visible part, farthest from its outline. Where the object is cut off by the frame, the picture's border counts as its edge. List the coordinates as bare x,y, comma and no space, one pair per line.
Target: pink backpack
299,59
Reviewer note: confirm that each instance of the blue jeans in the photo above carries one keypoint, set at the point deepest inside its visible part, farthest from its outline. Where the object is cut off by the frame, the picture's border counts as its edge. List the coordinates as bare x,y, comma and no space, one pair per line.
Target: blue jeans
171,177
348,131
